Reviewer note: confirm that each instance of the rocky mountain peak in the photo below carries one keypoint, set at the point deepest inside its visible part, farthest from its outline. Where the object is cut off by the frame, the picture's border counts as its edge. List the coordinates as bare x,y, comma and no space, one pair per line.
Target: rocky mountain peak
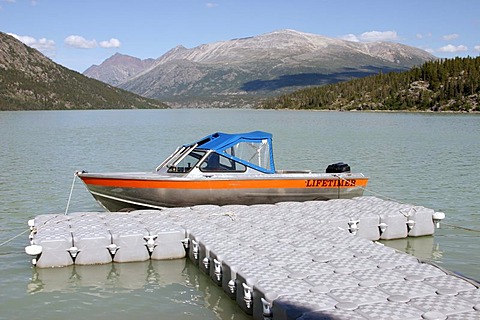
267,64
118,68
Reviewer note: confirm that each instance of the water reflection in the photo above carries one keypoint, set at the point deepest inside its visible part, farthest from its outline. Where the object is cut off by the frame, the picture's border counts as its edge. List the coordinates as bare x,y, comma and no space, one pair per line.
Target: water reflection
108,277
167,282
421,247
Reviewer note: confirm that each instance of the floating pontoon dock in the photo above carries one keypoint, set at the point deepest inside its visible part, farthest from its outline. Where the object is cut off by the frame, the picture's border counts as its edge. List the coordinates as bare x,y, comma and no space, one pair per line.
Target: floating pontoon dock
310,260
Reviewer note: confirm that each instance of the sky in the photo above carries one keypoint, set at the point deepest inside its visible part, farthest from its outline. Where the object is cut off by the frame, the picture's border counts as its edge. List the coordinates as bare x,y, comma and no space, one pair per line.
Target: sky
80,33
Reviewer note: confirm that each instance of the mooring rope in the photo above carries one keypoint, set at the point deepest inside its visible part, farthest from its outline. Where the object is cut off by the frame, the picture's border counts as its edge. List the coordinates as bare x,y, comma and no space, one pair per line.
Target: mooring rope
71,191
413,207
458,227
13,238
232,215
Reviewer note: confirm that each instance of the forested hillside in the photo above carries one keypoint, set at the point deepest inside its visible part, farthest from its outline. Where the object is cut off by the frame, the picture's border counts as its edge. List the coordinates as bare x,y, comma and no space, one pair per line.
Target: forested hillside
440,85
31,81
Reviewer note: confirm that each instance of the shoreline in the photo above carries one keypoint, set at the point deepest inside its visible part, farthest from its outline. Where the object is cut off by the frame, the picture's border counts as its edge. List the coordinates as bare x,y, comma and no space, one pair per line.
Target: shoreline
265,109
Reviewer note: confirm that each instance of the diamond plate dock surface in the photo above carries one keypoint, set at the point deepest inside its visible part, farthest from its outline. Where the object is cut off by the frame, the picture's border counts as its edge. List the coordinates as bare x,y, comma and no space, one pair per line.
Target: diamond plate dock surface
311,260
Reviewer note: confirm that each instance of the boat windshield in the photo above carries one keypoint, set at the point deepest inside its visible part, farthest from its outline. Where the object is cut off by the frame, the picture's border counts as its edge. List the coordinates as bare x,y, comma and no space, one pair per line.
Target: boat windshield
257,153
236,151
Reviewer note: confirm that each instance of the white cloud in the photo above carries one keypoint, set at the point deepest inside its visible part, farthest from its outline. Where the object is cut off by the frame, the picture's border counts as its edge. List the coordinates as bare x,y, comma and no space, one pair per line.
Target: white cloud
477,48
211,5
378,36
350,37
372,36
452,49
423,35
450,37
112,43
25,39
43,45
80,42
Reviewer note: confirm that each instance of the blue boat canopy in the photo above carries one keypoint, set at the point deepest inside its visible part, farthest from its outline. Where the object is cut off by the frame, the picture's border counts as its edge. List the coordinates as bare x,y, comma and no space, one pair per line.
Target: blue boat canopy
253,149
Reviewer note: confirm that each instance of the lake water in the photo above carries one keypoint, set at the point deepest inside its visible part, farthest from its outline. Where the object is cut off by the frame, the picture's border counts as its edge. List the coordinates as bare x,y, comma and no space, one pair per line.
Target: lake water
422,159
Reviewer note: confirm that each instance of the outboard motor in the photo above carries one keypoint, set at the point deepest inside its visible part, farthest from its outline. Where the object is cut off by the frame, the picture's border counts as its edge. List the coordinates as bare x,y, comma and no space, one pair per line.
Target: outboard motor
338,167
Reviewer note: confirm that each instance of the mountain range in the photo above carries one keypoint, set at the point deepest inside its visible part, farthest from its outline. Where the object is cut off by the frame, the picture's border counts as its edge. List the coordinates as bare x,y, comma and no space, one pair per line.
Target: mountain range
241,72
31,81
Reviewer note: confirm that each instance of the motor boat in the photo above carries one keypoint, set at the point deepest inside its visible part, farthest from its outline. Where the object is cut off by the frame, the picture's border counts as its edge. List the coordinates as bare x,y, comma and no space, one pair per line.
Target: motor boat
221,169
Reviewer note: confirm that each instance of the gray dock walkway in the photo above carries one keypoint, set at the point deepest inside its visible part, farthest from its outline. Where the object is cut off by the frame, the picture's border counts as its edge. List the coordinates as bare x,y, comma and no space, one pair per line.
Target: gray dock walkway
311,260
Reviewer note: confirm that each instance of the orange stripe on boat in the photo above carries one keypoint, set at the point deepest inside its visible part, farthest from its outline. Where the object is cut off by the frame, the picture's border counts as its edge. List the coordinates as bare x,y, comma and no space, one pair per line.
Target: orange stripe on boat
227,184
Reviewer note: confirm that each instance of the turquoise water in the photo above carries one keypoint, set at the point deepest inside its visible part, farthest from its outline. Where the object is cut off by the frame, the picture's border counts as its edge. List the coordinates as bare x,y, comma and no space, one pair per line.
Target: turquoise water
422,159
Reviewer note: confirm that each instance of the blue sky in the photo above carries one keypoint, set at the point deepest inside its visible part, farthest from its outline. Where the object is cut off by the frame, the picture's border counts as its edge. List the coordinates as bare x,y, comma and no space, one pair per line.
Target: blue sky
80,33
